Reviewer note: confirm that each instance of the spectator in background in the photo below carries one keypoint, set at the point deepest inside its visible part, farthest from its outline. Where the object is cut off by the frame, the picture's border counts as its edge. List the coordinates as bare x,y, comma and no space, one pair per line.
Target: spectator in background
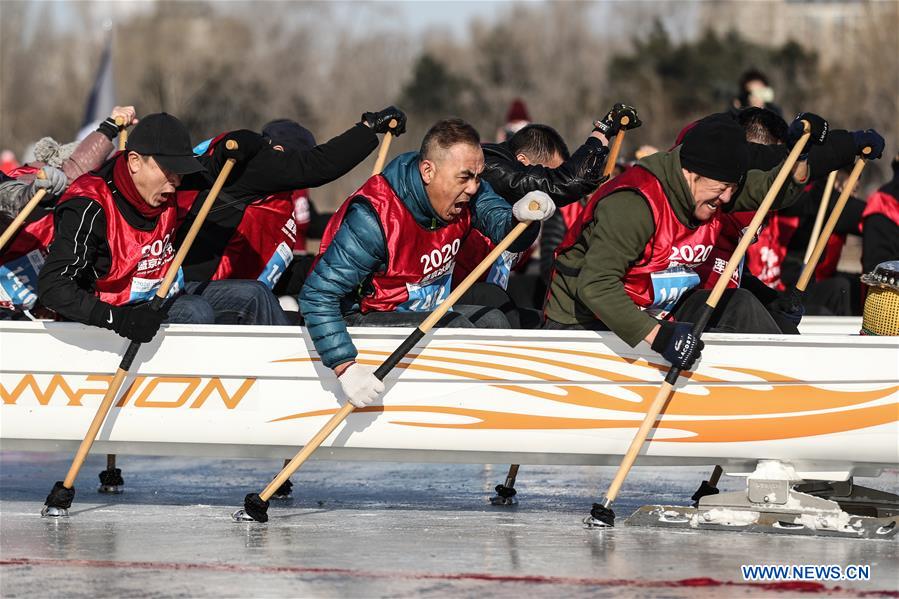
755,91
517,117
8,160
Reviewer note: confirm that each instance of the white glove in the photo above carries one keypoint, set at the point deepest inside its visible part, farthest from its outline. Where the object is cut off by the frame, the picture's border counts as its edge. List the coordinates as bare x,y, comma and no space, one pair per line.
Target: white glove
523,211
360,385
55,183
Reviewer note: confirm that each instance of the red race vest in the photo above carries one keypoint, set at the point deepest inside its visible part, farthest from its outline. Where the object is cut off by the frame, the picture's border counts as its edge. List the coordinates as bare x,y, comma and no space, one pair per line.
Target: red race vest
139,259
765,257
23,256
24,170
302,215
833,249
419,261
262,245
883,203
732,226
665,270
475,248
571,214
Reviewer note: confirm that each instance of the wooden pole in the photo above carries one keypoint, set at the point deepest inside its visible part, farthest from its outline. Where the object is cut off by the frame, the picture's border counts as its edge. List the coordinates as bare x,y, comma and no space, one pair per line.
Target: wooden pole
123,133
158,299
809,269
611,161
667,387
385,146
819,219
612,158
396,356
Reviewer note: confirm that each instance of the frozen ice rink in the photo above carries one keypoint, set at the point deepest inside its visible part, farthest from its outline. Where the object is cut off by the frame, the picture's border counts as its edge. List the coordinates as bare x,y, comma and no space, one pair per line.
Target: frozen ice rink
378,529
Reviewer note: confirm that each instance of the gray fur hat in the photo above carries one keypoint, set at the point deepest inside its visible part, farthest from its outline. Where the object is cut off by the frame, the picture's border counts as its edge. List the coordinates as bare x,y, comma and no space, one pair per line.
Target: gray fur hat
49,151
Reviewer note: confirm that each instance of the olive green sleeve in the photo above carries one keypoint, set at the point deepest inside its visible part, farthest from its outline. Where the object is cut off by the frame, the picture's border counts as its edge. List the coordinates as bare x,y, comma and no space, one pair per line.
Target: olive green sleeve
623,226
757,185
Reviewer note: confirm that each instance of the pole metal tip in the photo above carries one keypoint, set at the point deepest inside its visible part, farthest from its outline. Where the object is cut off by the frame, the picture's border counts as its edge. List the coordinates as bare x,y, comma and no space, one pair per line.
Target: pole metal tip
600,517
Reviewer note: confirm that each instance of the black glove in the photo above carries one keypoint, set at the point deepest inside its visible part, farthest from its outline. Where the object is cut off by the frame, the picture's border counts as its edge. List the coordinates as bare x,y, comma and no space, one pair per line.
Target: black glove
869,138
789,305
819,128
610,124
677,344
248,145
380,121
591,166
137,322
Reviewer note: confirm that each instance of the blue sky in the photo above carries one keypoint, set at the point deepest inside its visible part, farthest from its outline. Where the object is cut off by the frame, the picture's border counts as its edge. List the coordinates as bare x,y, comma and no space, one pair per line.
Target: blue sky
416,15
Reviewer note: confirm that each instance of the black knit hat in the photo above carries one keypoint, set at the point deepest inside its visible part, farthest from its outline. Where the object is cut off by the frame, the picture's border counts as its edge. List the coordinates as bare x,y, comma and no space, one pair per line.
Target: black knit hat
716,148
289,134
167,140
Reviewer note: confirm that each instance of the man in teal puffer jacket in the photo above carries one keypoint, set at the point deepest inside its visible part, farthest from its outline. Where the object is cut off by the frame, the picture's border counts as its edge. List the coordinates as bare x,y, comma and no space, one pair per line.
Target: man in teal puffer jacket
388,253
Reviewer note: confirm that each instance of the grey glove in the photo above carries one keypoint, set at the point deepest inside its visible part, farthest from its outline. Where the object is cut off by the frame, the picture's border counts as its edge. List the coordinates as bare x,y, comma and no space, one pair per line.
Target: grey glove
55,183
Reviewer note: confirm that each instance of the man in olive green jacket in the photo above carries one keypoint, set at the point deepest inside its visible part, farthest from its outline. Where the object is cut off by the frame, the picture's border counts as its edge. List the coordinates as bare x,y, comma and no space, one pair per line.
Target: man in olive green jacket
627,267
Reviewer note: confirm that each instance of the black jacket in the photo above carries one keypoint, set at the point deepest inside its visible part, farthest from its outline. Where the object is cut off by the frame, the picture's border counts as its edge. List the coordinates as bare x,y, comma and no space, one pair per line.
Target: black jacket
270,171
880,241
79,254
576,177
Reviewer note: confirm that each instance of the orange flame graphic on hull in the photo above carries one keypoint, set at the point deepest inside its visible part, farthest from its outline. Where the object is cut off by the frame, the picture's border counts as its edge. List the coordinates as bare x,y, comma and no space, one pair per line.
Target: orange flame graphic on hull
702,431
781,412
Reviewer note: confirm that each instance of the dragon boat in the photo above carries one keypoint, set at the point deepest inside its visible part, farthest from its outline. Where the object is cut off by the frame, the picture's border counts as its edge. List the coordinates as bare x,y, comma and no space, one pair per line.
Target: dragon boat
816,407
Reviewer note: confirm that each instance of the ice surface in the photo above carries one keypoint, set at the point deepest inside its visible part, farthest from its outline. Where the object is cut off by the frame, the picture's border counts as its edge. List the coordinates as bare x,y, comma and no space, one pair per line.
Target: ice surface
379,529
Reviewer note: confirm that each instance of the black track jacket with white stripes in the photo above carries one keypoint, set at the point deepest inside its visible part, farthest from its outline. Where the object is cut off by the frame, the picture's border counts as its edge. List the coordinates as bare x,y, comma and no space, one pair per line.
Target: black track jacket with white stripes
79,255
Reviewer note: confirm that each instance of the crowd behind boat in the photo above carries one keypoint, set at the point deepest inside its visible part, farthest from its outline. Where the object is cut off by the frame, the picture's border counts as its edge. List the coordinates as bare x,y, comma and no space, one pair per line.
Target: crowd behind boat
631,247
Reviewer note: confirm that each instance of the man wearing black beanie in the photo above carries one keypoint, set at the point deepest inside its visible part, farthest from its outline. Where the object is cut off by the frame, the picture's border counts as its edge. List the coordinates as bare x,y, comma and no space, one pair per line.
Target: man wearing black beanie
628,264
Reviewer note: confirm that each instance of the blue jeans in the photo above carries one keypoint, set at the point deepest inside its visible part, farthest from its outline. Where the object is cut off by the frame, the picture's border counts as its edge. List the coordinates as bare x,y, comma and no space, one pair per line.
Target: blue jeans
227,302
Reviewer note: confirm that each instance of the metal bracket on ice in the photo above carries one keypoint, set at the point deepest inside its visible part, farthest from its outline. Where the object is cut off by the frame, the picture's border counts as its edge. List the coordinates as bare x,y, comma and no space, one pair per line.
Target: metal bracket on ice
776,500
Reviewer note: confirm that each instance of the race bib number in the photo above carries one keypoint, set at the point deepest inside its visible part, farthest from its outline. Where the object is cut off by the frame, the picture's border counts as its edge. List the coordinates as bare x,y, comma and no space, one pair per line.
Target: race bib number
501,269
276,266
668,286
144,289
427,295
18,281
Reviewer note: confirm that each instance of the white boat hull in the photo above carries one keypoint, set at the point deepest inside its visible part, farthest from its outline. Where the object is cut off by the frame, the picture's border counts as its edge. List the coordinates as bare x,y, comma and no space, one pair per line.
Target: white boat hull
827,404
